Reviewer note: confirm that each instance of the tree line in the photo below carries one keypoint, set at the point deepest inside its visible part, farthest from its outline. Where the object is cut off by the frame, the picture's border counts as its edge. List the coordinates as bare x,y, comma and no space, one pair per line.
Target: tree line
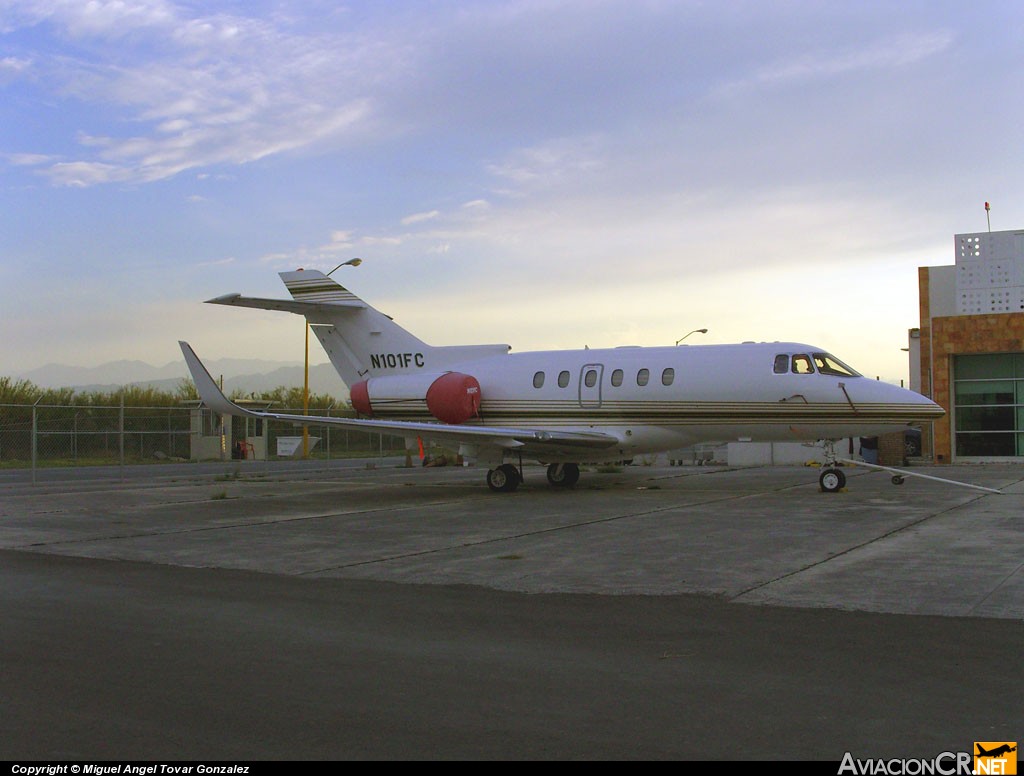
25,392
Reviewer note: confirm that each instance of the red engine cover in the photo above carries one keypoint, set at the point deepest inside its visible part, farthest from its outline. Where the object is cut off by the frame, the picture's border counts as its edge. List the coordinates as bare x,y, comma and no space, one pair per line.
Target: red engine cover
360,395
454,398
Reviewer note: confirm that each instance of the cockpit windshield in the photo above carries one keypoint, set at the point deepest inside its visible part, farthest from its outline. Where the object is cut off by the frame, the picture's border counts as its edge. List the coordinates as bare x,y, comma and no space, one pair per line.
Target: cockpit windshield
828,364
803,364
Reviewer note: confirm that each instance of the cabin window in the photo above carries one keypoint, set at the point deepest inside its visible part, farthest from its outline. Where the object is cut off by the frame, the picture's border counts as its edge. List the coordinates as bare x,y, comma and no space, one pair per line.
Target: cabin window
617,378
802,365
538,380
563,379
782,364
668,376
590,378
830,365
643,376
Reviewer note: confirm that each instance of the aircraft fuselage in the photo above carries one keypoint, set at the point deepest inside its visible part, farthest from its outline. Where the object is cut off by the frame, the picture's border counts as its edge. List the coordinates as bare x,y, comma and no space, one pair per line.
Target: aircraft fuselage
658,398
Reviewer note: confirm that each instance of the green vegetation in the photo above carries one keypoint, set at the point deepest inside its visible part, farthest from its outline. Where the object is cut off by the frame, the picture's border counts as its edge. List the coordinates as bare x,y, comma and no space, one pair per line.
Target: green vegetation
26,392
64,427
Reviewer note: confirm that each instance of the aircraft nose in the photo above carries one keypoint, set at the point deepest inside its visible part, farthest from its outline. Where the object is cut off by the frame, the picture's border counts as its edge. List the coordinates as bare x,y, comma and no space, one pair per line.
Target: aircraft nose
919,408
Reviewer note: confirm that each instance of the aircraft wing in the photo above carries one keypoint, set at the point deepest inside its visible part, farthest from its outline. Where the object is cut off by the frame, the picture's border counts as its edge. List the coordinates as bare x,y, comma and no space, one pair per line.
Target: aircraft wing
537,441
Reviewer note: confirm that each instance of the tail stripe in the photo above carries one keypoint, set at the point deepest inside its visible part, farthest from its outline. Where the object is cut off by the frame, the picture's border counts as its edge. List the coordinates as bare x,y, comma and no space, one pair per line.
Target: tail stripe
316,290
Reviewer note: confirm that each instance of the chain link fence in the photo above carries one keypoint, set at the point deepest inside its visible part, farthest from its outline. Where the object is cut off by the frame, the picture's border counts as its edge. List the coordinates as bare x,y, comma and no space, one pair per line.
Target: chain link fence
82,435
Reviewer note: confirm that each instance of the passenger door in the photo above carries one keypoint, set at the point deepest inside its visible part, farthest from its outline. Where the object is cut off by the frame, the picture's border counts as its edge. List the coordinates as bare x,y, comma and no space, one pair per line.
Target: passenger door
591,376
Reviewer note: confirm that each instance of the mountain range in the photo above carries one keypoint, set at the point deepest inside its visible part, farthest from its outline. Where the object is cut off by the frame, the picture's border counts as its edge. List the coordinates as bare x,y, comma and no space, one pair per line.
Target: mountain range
246,375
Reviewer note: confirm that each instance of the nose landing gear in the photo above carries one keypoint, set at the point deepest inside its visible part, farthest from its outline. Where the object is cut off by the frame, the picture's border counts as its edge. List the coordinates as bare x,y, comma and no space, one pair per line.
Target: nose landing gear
831,479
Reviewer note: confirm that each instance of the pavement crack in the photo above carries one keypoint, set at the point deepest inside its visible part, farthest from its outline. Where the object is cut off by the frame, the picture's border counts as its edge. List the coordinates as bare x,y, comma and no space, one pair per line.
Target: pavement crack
853,548
225,527
526,534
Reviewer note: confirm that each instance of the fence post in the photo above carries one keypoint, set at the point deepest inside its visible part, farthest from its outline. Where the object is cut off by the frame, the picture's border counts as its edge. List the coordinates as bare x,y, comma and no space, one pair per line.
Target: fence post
329,432
35,443
120,436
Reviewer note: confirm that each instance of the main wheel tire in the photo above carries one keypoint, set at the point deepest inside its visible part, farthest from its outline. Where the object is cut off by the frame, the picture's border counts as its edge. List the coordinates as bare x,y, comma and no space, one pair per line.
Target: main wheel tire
832,481
563,475
504,479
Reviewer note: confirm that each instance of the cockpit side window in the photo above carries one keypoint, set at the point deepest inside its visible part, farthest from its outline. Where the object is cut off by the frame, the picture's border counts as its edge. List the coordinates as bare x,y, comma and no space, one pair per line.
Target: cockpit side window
830,365
781,364
802,365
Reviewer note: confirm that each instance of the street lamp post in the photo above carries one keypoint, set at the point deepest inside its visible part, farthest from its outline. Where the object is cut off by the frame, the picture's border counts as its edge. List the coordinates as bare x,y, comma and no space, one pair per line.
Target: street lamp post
695,331
305,379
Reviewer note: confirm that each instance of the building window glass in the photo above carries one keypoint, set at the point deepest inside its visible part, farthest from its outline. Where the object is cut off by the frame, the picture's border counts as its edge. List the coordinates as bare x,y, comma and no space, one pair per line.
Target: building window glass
988,398
211,422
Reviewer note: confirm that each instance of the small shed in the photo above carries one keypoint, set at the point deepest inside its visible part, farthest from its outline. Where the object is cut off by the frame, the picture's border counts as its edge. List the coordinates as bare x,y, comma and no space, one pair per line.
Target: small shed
216,437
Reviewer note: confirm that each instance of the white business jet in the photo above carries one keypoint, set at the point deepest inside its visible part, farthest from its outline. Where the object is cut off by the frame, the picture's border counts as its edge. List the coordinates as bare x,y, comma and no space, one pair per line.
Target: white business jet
568,407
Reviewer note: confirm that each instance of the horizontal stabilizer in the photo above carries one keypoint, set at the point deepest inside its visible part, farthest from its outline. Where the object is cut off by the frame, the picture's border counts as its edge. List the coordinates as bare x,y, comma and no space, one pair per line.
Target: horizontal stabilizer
285,305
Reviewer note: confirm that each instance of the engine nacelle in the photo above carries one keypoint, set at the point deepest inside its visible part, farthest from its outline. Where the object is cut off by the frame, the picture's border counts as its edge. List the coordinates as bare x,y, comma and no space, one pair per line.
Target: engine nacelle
452,397
360,396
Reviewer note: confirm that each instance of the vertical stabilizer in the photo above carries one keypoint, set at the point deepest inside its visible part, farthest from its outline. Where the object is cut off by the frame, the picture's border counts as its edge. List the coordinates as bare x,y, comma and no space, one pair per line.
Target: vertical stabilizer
363,342
360,341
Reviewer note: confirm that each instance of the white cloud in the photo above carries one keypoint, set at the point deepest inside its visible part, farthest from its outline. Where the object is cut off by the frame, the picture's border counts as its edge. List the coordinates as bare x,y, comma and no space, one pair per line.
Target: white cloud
111,18
82,174
12,67
203,90
29,160
550,162
885,54
417,218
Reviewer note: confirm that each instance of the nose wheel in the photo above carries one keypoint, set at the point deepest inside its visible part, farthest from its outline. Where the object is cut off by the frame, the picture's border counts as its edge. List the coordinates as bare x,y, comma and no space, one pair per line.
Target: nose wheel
832,481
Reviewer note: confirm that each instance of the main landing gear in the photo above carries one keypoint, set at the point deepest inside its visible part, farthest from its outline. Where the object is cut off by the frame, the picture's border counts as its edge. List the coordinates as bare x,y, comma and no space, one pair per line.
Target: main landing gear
506,478
563,475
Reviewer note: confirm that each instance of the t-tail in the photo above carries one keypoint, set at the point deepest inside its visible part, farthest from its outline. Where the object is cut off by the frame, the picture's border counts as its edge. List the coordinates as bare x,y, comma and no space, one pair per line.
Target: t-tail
360,341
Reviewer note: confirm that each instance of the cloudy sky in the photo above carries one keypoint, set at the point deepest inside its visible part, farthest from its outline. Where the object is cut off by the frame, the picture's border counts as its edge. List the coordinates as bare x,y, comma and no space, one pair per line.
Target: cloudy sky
546,174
